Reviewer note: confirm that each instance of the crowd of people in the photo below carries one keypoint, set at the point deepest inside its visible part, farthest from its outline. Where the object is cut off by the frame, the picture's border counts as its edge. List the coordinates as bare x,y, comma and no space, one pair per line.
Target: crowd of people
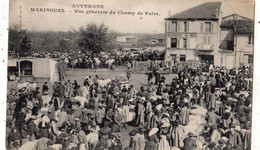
90,116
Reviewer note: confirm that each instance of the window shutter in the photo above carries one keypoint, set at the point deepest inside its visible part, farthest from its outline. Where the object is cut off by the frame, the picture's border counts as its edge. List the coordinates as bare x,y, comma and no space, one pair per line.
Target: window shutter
168,42
188,43
178,27
181,26
178,43
188,27
201,27
212,28
208,39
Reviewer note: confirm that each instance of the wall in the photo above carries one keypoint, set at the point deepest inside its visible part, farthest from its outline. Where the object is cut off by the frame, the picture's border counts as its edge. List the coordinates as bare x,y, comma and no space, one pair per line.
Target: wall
195,37
242,49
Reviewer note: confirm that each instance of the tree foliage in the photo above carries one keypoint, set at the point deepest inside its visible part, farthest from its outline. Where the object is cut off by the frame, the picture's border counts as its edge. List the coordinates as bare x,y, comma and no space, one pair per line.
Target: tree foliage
19,41
93,38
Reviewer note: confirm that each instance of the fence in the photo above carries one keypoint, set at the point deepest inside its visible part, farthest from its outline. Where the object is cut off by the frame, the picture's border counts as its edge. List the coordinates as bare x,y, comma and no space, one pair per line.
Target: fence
146,66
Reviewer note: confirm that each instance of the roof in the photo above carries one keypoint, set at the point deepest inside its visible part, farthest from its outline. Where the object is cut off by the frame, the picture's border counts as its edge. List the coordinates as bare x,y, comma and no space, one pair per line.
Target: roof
234,17
240,26
206,11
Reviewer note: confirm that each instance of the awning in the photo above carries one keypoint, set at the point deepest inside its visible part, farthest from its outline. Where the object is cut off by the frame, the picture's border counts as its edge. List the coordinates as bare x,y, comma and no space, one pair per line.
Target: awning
12,63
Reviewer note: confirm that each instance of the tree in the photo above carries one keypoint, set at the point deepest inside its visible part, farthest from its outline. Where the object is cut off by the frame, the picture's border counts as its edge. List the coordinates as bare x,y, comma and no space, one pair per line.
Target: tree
93,39
25,46
18,42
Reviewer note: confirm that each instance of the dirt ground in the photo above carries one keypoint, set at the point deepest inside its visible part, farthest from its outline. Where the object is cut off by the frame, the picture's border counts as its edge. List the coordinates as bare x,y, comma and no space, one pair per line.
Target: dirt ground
135,79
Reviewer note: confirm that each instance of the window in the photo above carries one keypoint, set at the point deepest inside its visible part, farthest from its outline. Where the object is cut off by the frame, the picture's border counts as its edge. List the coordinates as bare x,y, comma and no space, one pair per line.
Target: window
250,39
174,57
174,26
207,26
26,67
182,57
173,42
184,43
250,59
185,27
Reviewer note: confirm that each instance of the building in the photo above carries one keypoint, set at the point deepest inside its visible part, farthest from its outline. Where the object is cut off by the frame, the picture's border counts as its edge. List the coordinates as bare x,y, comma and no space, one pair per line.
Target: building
157,40
236,41
127,38
201,34
194,33
33,69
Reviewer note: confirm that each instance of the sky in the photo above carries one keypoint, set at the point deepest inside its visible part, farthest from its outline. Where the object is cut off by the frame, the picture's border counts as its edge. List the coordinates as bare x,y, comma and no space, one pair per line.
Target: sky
20,13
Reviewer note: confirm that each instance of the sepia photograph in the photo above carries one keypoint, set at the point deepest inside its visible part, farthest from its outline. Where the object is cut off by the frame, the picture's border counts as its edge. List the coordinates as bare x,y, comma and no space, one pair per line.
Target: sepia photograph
130,75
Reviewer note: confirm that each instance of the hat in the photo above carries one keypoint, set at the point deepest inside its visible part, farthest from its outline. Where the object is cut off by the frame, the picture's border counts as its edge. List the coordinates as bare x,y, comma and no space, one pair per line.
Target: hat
142,129
166,124
177,122
190,134
22,89
153,131
221,141
111,135
132,133
143,98
237,128
225,138
212,144
55,119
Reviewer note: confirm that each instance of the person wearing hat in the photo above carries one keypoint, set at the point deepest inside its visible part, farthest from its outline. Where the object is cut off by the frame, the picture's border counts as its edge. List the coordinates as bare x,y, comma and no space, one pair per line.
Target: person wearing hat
45,89
177,134
54,129
148,114
184,114
32,129
234,137
190,142
150,76
132,91
134,143
221,145
216,134
62,115
140,114
212,99
100,113
212,117
247,136
140,138
51,110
